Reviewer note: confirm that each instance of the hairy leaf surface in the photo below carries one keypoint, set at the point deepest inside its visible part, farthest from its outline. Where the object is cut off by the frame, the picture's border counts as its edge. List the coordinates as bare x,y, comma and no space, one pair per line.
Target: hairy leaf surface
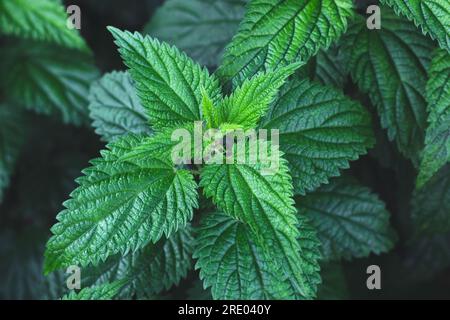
120,206
431,15
103,292
321,130
282,32
351,221
234,265
390,65
148,271
167,81
115,107
264,202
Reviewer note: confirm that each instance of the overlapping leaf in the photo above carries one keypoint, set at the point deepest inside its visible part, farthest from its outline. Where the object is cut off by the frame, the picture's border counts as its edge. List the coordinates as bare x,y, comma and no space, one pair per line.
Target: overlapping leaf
43,20
234,265
264,202
280,32
321,130
350,220
437,139
120,206
432,15
201,28
115,107
48,79
148,271
391,64
167,81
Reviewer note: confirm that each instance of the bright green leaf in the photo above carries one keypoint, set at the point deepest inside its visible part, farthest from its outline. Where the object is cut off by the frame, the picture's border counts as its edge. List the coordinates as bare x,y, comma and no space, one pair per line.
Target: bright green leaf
321,130
264,202
431,15
249,102
279,32
148,271
103,292
120,206
233,265
167,81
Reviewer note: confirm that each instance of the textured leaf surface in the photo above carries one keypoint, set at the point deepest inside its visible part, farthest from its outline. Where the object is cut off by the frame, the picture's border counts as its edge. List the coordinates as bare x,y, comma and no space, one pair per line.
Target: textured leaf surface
48,79
390,65
44,20
320,131
201,28
115,107
120,206
148,271
351,221
12,132
167,81
233,265
250,101
281,32
437,139
103,292
432,15
431,204
265,204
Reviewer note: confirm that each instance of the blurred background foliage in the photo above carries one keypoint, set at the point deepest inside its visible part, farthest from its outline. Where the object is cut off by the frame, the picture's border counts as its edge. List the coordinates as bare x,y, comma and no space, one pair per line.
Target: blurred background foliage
51,145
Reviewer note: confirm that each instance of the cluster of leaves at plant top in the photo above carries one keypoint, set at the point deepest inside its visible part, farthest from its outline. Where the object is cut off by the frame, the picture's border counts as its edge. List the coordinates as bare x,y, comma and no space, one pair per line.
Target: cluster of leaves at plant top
364,120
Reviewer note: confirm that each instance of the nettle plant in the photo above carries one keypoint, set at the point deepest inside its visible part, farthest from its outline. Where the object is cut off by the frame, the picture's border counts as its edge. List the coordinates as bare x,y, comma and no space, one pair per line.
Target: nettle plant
137,221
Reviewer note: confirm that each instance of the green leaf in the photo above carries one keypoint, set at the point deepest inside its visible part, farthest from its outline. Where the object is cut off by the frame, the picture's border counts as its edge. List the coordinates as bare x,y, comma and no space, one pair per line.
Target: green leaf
321,130
115,107
249,102
43,20
279,32
233,265
264,202
437,139
103,292
431,15
120,206
390,65
167,81
12,134
48,79
148,271
201,28
351,221
431,204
